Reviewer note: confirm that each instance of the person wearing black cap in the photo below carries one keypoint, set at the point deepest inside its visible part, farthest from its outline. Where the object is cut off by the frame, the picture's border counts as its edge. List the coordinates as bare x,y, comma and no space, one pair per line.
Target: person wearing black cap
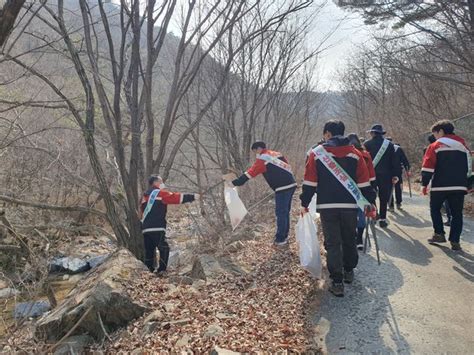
404,164
277,172
386,165
153,209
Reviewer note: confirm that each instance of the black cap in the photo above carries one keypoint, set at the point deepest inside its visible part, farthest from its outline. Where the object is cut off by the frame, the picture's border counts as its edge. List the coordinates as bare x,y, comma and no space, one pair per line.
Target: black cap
258,144
377,128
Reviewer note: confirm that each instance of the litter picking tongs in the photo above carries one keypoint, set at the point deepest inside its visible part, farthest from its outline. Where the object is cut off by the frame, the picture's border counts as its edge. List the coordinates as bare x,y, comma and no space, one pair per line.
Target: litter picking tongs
370,223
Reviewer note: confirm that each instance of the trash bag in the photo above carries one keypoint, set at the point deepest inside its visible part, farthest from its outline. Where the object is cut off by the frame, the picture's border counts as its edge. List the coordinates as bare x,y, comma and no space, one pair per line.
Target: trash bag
312,207
308,245
237,210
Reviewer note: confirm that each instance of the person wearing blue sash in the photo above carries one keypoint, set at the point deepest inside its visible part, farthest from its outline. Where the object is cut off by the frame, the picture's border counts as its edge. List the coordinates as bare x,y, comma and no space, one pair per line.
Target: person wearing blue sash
337,172
153,209
386,165
277,173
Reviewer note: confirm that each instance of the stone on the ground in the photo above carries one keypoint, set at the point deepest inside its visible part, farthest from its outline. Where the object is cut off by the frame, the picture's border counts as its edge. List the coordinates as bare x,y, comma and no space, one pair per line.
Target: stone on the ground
208,266
180,280
8,292
69,264
214,330
97,260
235,246
220,351
74,345
31,309
154,316
183,341
102,295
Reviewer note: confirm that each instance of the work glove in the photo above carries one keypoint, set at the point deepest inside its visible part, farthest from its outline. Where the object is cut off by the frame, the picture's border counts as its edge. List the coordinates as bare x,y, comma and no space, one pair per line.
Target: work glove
370,211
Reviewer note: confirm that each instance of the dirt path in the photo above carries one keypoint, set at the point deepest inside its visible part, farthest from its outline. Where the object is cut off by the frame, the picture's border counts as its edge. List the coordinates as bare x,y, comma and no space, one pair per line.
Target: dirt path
420,300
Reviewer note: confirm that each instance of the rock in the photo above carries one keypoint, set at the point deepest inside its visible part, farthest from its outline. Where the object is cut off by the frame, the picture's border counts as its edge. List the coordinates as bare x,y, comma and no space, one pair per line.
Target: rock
180,280
208,266
169,307
221,351
150,327
102,292
214,330
31,309
66,277
222,316
8,292
74,345
235,246
97,260
69,265
177,322
184,341
155,316
198,284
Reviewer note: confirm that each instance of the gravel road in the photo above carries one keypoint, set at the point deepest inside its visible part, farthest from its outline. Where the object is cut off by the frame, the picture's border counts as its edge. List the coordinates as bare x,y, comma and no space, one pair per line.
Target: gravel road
420,300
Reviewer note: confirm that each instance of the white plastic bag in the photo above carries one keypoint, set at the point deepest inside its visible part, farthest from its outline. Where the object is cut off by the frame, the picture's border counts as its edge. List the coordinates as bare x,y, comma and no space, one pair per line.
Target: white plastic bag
308,243
237,210
312,207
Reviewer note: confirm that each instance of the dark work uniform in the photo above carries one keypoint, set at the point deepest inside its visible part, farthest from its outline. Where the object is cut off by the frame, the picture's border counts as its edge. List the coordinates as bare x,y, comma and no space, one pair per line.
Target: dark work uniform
446,166
385,170
154,225
404,164
336,205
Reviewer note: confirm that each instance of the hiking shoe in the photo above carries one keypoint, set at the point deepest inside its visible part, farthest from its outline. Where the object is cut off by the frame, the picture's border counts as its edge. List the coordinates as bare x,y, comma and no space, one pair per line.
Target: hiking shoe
161,274
399,206
383,223
437,238
337,289
281,245
391,208
360,246
456,246
348,276
447,223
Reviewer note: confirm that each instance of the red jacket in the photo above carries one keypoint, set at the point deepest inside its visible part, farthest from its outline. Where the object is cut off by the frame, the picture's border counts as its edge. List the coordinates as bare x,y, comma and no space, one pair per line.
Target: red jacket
155,221
369,163
331,194
446,166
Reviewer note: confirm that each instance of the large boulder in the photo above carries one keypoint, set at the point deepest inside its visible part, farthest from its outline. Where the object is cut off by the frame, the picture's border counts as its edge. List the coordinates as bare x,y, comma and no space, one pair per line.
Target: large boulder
99,301
208,267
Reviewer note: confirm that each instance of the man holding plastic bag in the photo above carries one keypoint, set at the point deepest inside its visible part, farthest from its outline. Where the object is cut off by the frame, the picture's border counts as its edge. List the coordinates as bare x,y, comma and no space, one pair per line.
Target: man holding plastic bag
339,174
277,172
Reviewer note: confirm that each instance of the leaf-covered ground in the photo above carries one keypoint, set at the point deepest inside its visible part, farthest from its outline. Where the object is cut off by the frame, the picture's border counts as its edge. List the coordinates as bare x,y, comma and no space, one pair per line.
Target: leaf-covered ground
268,309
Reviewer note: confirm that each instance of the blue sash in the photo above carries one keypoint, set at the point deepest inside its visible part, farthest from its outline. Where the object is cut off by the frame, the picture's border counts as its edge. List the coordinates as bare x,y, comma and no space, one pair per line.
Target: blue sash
151,201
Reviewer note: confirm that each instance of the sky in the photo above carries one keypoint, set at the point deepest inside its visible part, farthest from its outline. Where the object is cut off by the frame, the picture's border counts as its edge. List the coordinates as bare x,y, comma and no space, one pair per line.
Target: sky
349,32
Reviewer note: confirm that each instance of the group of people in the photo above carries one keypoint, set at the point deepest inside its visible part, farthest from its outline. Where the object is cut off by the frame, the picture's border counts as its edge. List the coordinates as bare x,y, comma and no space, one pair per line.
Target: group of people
346,175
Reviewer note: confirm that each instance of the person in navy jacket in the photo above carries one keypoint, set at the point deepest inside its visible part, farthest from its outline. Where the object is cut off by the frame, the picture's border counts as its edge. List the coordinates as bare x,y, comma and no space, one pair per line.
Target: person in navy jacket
336,205
277,173
154,220
447,164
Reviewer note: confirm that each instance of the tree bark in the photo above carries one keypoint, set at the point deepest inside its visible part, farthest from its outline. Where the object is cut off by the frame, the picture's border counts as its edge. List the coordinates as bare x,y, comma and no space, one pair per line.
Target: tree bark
8,15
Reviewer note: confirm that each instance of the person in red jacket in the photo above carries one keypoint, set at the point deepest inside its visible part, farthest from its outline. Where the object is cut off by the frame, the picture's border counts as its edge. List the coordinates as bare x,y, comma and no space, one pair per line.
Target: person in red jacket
447,164
355,141
153,210
336,201
277,172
